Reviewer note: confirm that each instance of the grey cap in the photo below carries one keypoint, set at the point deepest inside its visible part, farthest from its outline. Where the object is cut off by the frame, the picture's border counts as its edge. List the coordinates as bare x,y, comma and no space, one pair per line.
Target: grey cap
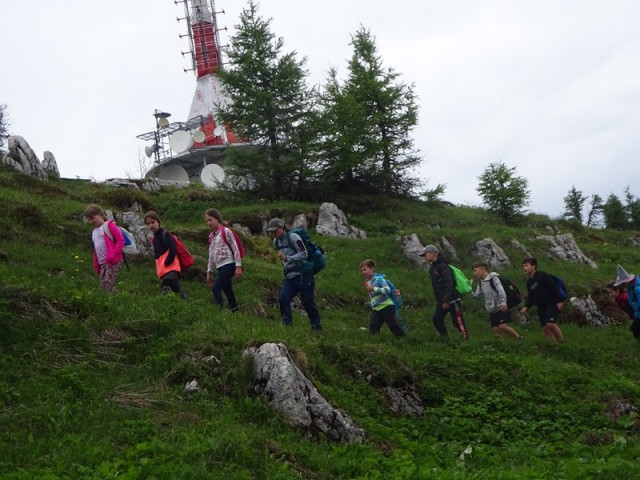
428,248
274,224
623,276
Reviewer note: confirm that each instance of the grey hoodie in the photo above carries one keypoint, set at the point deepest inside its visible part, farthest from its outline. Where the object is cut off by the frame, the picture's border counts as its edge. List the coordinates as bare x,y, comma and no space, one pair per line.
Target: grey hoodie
492,298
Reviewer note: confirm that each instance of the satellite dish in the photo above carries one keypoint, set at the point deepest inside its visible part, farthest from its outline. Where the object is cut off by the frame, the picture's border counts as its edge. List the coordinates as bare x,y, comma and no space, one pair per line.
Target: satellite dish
163,122
148,151
212,175
217,131
180,141
199,136
175,173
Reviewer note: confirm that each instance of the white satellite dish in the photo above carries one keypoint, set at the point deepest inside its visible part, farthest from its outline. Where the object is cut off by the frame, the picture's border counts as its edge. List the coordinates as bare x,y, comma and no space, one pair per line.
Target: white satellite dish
175,173
180,141
212,175
199,136
148,151
217,131
163,122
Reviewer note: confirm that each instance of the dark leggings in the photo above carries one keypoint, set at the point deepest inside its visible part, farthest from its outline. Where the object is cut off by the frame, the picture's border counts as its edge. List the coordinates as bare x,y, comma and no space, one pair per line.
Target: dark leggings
223,284
455,310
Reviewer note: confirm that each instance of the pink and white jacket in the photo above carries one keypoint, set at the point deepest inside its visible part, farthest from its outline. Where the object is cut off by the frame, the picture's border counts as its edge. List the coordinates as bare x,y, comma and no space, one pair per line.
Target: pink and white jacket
114,247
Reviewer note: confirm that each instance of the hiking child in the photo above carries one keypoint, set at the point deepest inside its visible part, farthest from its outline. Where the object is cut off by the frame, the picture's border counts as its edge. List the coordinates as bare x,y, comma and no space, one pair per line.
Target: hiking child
544,293
224,259
630,282
293,254
495,300
621,297
164,249
383,310
448,300
107,249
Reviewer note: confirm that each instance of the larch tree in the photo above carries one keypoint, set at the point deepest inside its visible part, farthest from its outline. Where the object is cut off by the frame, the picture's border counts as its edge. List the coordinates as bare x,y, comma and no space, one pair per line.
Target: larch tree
574,204
271,108
372,114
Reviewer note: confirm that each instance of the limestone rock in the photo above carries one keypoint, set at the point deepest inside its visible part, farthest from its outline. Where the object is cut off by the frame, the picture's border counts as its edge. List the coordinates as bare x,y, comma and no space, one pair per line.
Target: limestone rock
21,157
144,238
453,255
564,247
241,228
281,383
300,221
121,183
592,313
522,248
50,165
404,401
411,248
489,252
332,222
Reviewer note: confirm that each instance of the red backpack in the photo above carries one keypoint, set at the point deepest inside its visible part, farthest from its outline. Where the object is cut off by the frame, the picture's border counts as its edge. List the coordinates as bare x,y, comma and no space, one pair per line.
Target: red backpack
224,238
184,256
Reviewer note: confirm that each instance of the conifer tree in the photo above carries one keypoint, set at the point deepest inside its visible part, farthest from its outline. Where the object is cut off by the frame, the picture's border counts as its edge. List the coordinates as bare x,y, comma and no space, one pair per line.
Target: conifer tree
368,140
594,216
615,216
270,108
504,193
574,203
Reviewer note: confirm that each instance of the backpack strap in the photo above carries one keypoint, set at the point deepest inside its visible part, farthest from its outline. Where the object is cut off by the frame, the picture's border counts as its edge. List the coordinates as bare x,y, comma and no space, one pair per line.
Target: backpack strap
223,234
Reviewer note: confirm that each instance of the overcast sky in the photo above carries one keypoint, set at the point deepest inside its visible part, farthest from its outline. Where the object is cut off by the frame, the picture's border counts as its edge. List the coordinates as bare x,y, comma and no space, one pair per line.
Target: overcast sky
551,87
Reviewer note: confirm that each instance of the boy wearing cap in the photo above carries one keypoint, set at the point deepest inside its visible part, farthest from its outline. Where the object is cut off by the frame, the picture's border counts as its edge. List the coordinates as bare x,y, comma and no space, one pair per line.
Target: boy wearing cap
448,300
293,253
543,292
633,292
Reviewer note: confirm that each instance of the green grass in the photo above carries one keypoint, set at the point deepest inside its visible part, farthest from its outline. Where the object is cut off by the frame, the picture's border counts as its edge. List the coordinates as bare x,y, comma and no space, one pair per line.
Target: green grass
92,384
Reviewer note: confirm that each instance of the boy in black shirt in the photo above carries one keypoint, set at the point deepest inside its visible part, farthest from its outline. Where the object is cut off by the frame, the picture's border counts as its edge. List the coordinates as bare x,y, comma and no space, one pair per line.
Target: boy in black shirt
543,292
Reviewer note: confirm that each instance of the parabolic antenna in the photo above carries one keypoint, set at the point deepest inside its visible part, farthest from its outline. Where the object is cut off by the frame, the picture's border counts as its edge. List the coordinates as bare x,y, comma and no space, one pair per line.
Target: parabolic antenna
175,173
199,136
212,175
217,131
148,151
163,122
180,141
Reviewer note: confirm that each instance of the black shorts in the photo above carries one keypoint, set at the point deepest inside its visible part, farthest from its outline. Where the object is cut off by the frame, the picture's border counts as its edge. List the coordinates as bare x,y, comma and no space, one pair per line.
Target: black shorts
548,315
499,317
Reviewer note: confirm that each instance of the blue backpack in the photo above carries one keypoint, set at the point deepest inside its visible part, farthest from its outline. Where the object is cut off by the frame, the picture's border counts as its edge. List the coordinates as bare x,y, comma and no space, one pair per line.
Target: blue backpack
396,298
316,259
561,286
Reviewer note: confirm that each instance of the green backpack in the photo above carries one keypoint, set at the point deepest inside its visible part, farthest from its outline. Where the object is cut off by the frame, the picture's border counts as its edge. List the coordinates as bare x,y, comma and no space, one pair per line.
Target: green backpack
461,282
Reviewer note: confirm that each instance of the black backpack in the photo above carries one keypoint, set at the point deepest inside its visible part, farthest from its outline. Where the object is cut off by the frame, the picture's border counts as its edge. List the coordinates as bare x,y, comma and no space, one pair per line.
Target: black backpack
514,297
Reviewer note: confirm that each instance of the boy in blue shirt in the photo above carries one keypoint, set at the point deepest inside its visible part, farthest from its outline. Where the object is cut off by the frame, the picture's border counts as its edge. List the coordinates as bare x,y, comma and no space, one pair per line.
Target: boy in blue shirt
382,308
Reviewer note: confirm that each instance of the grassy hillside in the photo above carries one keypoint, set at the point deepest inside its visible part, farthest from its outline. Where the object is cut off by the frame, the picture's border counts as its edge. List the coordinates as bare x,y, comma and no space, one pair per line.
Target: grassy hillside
92,384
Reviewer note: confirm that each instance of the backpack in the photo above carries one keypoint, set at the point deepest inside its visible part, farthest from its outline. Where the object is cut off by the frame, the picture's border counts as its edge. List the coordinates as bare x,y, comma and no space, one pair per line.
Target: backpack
396,298
184,256
461,283
561,286
235,236
130,246
514,297
316,259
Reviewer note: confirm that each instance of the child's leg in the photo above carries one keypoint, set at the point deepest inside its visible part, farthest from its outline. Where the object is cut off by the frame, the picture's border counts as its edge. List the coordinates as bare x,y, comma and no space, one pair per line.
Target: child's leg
509,330
555,332
375,322
388,315
438,320
109,276
223,279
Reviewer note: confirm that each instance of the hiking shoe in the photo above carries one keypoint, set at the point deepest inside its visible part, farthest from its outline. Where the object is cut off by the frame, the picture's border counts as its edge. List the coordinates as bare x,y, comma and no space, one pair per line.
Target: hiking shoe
521,339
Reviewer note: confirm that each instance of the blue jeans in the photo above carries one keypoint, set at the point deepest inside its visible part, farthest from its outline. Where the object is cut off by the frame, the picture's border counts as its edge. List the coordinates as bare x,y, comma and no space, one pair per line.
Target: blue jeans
224,284
305,286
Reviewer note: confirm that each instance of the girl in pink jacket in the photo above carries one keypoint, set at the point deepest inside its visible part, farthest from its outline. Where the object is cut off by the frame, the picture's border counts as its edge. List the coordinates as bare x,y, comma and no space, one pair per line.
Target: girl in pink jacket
108,243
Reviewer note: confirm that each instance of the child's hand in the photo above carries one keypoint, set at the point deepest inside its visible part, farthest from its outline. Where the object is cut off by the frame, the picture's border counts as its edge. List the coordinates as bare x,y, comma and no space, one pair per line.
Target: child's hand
368,287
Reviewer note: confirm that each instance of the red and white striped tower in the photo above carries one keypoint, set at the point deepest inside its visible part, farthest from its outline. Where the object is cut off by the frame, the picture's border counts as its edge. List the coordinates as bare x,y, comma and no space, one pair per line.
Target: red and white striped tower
207,61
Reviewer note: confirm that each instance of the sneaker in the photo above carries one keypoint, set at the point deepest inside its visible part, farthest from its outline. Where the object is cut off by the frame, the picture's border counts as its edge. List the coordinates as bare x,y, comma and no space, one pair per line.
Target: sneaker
521,339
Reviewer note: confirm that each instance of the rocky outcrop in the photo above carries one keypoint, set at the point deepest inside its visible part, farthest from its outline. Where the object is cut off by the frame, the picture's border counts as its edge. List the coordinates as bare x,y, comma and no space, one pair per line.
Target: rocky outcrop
132,222
50,165
564,247
591,312
411,247
281,383
489,252
448,246
332,222
404,401
20,156
121,183
300,221
525,252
